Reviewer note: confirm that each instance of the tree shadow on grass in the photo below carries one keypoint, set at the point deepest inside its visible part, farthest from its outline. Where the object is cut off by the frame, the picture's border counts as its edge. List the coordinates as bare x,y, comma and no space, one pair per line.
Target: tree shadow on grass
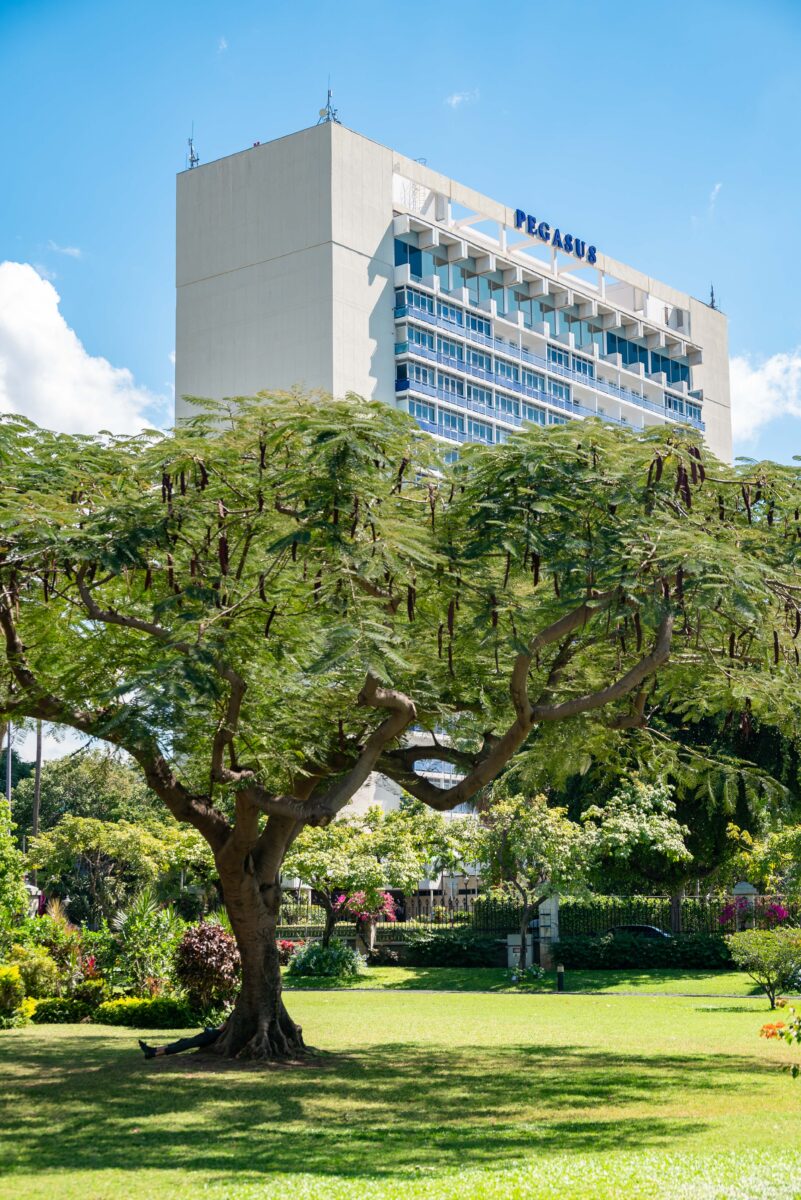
82,1101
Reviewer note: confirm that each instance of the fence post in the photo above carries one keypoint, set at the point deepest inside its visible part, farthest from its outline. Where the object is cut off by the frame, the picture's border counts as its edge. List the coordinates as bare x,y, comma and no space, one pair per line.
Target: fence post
548,930
675,911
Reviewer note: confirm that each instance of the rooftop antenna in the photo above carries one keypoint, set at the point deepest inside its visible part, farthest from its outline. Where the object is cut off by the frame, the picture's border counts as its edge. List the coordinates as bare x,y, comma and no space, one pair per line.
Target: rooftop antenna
194,157
329,113
712,303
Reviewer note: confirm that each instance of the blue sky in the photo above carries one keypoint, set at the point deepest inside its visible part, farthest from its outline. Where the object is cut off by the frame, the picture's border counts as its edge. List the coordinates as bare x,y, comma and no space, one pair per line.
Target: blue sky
667,133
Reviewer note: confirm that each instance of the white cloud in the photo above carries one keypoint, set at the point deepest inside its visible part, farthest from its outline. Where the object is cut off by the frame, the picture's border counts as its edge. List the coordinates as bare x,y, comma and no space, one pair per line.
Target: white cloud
47,375
222,45
44,272
456,99
171,357
713,197
69,251
761,392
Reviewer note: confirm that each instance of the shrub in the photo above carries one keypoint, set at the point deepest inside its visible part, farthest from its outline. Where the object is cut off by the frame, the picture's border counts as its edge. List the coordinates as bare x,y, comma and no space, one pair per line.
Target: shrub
53,933
162,1013
12,990
207,965
772,958
620,951
383,956
337,960
451,948
38,969
286,948
147,935
60,1010
91,992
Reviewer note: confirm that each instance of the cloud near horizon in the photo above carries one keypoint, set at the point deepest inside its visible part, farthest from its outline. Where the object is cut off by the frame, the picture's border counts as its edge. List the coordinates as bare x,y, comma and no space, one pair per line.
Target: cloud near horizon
46,374
761,392
457,99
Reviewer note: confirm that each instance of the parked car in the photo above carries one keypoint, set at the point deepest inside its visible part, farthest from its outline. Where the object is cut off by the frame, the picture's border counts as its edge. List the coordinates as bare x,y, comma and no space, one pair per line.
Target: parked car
647,931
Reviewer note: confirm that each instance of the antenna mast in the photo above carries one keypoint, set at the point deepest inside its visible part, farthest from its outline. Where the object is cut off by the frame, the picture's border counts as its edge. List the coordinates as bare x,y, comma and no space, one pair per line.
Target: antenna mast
329,113
712,303
194,157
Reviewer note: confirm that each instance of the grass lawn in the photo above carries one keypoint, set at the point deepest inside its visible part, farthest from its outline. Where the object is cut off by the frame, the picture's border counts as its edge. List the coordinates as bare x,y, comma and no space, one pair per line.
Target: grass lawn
417,1095
495,979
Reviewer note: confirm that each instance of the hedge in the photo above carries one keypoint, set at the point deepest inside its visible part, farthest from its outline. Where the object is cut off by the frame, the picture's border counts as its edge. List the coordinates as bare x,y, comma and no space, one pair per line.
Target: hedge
60,1010
452,948
619,951
160,1013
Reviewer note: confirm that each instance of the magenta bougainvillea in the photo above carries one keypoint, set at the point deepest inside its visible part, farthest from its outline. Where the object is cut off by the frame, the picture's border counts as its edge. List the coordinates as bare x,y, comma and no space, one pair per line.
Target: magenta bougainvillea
364,906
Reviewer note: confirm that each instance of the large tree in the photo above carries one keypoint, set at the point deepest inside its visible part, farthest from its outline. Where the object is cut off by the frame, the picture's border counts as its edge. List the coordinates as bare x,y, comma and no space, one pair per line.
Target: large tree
258,606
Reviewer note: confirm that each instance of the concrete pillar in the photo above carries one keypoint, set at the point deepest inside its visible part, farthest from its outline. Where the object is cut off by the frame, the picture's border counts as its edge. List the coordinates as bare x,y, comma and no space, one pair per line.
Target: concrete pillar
548,930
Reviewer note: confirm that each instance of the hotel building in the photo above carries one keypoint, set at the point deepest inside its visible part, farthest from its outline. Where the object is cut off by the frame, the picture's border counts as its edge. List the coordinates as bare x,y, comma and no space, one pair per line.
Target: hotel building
326,261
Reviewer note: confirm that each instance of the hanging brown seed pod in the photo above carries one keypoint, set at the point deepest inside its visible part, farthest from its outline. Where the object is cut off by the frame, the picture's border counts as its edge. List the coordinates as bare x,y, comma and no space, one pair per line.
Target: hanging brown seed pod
222,553
797,623
535,567
451,615
262,455
260,500
731,645
262,594
775,648
440,631
354,517
204,475
294,551
148,578
746,494
494,610
680,584
411,596
556,584
721,508
170,571
182,479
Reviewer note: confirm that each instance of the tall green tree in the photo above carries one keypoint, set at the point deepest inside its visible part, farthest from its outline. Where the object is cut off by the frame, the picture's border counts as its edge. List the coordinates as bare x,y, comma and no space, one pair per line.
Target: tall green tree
258,606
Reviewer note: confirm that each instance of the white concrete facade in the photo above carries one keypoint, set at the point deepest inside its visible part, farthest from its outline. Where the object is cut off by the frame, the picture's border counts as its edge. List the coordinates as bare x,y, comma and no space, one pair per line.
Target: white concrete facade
287,277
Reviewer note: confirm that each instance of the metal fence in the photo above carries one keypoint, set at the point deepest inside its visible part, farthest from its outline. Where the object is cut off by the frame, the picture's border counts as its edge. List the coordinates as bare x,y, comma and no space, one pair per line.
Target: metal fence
702,914
476,913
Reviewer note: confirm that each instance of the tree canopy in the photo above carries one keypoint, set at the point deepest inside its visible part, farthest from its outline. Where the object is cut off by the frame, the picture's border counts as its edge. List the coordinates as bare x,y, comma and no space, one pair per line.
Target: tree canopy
258,606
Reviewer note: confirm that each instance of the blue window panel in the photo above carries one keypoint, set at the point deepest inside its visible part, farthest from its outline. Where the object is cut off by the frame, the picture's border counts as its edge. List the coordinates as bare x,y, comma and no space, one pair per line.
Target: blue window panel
561,391
508,405
451,385
479,431
559,358
583,366
449,312
535,414
451,422
423,411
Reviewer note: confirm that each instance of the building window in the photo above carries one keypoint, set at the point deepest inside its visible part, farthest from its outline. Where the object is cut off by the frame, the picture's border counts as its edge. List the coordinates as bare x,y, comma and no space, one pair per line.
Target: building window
421,337
451,385
480,359
478,325
583,366
559,391
450,349
534,381
449,312
554,420
479,431
418,300
674,404
507,370
538,416
630,353
479,395
673,370
558,358
693,411
423,411
507,405
451,422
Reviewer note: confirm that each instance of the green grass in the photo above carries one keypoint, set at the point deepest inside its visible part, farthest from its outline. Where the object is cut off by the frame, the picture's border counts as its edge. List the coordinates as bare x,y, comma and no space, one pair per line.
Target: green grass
495,979
417,1095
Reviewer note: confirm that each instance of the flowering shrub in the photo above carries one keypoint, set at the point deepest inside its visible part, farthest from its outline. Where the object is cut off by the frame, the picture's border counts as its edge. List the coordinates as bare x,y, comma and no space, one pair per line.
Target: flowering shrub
367,905
788,1031
734,908
12,990
336,960
207,966
38,969
775,913
286,948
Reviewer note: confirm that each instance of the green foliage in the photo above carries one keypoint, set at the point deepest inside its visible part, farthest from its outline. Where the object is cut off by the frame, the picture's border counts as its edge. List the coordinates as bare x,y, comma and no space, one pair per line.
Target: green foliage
38,969
772,957
633,832
100,864
337,960
52,932
772,863
452,948
93,784
12,989
60,1010
207,966
13,897
161,1012
619,951
147,935
91,992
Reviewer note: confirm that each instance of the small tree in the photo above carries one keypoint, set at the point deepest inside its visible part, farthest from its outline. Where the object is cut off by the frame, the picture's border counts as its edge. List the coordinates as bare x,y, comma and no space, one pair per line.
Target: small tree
352,863
529,851
13,897
635,826
771,957
207,965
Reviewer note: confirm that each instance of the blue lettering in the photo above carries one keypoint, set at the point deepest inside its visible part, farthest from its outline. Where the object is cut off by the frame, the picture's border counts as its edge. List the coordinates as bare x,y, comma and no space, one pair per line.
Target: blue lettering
556,240
579,248
531,225
567,242
544,231
591,255
520,217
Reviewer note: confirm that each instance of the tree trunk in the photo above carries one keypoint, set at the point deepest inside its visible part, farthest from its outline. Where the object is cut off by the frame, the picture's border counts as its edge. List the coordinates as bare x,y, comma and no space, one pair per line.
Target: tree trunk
259,1028
37,790
331,916
524,920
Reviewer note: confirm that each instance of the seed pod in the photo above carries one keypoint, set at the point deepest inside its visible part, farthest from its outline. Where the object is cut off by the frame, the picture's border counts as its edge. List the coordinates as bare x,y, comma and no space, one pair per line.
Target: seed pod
680,584
731,645
354,524
183,483
262,595
204,475
262,455
665,588
746,493
797,623
260,500
494,609
451,615
411,595
721,508
170,571
535,567
294,551
771,511
439,639
508,569
659,467
269,621
693,472
775,648
148,578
